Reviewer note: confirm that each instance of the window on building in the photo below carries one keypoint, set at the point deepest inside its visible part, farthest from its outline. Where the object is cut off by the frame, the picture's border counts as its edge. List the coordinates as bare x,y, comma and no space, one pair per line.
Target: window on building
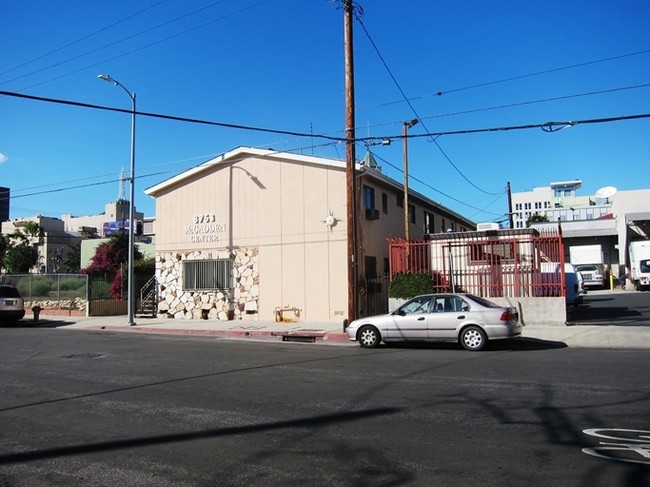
412,213
518,206
429,226
370,266
384,203
491,253
386,266
200,275
444,225
368,197
400,200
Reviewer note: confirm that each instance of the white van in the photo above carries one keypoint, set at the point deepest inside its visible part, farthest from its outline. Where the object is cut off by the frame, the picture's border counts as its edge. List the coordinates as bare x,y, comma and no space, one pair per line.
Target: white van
573,282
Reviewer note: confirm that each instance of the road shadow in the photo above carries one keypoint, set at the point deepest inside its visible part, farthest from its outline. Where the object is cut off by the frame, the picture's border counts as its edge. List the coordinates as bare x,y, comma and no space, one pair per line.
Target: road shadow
525,343
604,315
515,344
41,323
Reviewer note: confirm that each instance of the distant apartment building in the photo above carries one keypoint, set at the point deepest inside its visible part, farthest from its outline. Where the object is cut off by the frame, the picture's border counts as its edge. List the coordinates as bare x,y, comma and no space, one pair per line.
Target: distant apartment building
114,219
610,218
88,231
52,247
255,232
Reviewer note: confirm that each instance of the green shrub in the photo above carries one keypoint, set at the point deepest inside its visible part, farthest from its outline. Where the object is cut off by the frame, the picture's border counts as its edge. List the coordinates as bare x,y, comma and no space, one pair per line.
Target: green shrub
72,283
410,284
35,287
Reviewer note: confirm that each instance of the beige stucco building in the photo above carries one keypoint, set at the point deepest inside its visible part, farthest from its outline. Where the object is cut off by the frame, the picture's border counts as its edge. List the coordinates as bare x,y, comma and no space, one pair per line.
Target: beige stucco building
255,231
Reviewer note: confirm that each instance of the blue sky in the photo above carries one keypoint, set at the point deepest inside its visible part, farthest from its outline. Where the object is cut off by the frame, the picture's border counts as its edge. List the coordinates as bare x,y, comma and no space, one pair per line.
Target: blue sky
279,64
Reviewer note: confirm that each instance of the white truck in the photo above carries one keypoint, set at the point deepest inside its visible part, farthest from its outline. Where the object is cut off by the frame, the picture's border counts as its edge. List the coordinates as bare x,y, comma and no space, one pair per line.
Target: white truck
640,264
588,261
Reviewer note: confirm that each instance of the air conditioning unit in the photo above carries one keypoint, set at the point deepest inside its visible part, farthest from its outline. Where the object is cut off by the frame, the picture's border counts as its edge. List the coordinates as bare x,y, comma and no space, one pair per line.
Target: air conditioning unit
372,214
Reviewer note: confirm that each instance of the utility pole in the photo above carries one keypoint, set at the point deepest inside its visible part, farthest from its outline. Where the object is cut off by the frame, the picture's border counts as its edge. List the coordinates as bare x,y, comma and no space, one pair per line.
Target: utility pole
405,127
350,161
510,216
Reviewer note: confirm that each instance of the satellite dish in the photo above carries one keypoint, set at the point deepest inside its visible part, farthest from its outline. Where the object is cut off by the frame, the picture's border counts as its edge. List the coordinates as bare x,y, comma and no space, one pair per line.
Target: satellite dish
606,192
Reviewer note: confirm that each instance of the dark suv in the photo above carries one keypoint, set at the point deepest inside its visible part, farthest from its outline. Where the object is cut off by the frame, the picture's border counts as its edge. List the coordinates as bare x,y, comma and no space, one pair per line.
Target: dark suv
12,305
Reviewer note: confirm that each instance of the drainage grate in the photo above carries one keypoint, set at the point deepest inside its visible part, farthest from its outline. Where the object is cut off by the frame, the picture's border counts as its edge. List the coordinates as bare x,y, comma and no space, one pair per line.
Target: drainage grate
298,338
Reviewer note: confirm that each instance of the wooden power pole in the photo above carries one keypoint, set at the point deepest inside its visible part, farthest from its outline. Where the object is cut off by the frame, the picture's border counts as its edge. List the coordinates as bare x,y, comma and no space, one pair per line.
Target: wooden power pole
350,161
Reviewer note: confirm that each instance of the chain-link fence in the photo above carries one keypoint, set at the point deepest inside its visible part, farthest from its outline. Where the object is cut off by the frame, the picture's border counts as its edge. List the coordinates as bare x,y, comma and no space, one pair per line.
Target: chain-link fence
59,290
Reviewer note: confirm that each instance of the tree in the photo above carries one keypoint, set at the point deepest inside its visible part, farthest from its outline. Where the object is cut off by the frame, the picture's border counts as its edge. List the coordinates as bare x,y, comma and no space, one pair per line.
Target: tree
110,256
20,258
17,252
72,259
4,245
536,218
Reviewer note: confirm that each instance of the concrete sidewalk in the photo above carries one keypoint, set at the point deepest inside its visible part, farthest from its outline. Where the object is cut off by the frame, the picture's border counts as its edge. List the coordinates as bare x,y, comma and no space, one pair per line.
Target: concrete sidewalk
589,336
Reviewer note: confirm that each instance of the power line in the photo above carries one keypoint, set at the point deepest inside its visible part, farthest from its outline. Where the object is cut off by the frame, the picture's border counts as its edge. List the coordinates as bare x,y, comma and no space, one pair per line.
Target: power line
543,100
417,116
178,34
528,75
87,36
435,189
544,125
169,117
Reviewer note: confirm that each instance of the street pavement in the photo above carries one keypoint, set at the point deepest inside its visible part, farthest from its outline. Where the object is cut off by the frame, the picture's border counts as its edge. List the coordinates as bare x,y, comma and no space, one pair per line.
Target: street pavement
590,336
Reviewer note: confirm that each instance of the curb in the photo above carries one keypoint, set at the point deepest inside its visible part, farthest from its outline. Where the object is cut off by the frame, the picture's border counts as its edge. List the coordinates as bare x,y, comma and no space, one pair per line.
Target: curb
282,336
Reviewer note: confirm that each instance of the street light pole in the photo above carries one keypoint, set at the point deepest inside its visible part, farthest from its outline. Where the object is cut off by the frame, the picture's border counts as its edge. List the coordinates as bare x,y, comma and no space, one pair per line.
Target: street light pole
130,321
405,127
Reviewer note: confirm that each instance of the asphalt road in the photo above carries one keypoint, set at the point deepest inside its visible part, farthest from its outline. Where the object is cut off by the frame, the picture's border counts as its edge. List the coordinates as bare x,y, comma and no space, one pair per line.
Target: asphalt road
603,307
91,409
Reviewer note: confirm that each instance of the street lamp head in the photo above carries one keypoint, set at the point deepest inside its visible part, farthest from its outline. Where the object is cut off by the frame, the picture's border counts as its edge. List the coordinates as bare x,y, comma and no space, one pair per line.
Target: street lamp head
106,77
411,123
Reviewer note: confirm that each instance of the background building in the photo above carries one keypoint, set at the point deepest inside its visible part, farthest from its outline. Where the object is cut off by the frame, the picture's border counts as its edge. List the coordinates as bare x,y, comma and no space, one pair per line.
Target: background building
52,247
106,224
609,218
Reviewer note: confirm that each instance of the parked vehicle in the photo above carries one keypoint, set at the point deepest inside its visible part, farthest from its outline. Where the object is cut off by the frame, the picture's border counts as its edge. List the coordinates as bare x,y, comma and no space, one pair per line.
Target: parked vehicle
12,305
551,276
640,264
589,261
592,275
465,318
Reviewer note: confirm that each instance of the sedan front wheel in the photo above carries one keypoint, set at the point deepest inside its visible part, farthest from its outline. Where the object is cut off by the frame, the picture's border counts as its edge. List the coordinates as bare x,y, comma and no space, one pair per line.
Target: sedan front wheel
369,337
473,338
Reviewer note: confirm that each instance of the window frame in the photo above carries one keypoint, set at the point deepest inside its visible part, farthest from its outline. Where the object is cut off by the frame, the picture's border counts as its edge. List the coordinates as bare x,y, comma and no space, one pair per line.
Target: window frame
207,275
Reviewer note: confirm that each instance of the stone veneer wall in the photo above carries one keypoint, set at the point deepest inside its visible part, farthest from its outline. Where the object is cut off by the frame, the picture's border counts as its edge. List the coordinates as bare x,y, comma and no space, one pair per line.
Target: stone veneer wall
242,302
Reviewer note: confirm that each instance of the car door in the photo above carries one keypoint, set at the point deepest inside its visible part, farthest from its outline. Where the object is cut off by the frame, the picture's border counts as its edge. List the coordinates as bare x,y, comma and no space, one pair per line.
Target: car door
409,321
447,313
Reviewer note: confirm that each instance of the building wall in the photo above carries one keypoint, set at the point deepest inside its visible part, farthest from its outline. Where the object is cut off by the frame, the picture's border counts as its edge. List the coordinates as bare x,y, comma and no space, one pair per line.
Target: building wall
627,202
288,213
374,233
276,211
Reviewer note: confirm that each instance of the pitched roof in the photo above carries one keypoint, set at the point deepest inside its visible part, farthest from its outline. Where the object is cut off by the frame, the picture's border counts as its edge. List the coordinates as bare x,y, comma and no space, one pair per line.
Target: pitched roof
239,153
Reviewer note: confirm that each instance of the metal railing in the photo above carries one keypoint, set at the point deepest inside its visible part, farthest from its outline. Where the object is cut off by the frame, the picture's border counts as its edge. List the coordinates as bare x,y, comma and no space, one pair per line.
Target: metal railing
487,265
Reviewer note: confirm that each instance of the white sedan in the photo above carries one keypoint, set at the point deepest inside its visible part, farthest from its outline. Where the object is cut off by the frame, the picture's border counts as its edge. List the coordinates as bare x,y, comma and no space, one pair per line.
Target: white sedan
465,318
